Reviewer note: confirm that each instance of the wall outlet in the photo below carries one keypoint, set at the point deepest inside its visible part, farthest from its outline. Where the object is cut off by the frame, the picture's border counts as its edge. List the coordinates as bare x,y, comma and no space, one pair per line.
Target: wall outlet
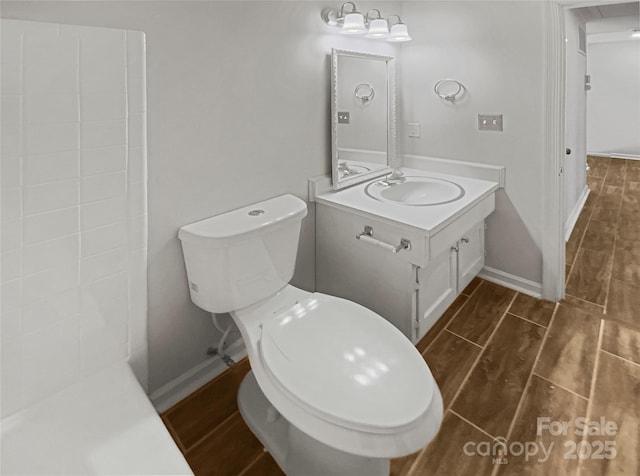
487,122
413,129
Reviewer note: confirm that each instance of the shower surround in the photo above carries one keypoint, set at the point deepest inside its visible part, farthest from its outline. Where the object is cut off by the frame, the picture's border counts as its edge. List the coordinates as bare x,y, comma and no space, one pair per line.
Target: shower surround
74,211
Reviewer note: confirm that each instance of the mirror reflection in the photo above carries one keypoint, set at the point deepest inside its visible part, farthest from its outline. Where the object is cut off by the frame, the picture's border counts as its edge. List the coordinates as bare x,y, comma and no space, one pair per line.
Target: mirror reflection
363,120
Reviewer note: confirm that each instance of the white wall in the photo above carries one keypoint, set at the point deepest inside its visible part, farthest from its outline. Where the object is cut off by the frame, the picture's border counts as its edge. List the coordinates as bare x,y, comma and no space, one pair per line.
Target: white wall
238,111
613,104
73,206
496,49
575,175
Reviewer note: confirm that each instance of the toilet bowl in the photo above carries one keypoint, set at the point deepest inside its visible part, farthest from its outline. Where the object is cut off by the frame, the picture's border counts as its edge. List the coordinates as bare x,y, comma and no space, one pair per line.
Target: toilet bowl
334,387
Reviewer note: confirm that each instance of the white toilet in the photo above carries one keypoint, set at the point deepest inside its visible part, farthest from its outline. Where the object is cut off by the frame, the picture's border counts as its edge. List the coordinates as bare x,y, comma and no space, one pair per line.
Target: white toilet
334,387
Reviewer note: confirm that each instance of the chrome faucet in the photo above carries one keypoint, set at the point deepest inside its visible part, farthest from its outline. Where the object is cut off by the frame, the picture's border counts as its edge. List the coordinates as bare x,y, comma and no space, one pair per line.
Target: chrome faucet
394,178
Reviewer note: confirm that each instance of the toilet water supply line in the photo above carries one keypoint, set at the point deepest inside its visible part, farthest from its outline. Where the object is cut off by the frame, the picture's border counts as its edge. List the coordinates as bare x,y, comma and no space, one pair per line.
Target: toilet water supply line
226,358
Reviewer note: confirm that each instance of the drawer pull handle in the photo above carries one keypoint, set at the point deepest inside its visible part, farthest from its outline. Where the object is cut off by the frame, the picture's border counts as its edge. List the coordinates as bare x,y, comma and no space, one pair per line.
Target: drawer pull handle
367,237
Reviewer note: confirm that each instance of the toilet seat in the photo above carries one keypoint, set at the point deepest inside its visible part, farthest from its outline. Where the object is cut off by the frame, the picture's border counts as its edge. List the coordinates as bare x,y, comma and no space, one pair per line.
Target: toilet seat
376,376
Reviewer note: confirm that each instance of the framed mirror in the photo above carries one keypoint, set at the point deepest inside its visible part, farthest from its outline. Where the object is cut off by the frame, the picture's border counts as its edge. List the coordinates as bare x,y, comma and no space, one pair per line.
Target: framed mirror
363,116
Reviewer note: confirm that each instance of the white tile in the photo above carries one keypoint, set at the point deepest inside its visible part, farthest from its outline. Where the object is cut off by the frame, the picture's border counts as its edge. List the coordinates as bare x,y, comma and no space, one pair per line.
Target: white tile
11,296
10,108
104,106
99,350
11,373
11,79
102,265
50,78
104,291
11,139
100,240
103,133
105,314
135,54
137,201
137,232
136,94
51,254
10,327
108,159
10,42
40,169
49,283
138,298
51,196
100,187
50,360
137,165
11,203
137,130
51,138
51,225
11,172
102,212
46,108
103,62
11,234
11,265
46,313
46,47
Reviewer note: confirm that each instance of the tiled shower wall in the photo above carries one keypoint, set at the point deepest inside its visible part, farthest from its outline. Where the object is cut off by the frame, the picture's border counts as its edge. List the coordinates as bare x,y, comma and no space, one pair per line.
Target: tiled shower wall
73,172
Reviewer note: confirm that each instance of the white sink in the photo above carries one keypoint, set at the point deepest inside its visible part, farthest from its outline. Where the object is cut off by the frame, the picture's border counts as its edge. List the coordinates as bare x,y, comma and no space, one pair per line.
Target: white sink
416,191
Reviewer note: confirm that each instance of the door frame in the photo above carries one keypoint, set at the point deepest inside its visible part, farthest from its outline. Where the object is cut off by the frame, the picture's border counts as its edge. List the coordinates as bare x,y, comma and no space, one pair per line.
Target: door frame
553,242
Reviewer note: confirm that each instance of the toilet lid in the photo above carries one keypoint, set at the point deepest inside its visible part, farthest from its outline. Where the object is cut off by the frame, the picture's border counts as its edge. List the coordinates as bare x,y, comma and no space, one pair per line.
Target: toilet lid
342,360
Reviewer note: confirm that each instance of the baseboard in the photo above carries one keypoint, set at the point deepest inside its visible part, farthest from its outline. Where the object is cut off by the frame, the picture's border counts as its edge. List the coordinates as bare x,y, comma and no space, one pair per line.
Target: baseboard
194,378
575,213
511,281
615,156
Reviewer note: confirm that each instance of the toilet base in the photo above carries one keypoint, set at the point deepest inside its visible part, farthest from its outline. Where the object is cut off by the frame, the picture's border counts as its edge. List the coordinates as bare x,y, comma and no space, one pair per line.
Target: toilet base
296,452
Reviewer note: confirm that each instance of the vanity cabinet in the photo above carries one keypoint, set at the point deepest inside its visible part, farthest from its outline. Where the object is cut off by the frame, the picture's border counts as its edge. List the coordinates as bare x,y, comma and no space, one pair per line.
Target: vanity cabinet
412,287
446,276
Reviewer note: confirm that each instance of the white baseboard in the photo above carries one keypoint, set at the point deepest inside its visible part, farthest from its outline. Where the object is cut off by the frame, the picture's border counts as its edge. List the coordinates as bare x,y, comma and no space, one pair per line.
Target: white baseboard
511,281
615,156
194,378
570,223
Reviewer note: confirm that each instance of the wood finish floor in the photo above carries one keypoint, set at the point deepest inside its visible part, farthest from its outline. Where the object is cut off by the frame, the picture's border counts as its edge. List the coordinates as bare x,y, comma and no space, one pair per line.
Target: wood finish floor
502,360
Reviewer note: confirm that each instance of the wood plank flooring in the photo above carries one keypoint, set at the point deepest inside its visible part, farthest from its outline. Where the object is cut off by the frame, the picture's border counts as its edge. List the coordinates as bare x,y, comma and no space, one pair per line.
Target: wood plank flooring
502,361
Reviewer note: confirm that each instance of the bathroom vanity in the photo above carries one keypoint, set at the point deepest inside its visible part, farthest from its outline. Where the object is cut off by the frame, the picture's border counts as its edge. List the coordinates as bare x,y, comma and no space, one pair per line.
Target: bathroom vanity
408,256
403,242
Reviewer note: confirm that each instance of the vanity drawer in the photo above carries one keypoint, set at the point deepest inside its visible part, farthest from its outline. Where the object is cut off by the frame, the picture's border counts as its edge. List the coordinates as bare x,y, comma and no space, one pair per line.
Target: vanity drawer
376,237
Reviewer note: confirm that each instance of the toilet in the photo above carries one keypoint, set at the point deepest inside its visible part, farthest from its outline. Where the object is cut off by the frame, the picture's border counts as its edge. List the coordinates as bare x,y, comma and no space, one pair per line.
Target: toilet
334,388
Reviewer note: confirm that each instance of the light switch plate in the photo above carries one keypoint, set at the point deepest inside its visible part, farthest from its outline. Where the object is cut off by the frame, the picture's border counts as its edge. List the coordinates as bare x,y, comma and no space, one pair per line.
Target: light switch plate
343,117
490,122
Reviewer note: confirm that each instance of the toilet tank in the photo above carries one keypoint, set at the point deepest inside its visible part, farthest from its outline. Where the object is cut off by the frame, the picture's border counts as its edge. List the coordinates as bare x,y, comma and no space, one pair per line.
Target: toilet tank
238,258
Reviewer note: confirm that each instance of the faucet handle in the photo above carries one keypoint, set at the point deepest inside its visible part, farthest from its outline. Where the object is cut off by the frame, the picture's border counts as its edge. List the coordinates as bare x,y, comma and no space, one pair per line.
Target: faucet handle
396,176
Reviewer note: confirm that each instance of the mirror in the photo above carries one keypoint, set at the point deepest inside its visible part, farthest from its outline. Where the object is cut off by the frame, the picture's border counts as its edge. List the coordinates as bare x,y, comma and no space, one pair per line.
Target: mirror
363,121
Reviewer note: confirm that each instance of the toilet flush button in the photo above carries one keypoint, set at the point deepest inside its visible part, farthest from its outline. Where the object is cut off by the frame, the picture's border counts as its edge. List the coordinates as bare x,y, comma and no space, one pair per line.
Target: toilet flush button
255,213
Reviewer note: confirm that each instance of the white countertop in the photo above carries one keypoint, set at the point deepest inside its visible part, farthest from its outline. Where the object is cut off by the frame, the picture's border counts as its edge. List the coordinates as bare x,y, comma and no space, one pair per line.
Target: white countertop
427,218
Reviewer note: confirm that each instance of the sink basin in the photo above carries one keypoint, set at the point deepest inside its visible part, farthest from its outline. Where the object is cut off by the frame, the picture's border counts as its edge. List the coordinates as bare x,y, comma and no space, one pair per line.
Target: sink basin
416,191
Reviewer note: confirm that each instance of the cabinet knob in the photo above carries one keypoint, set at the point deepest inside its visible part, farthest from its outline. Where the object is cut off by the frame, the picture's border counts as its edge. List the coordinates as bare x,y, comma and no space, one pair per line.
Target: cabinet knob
455,248
465,240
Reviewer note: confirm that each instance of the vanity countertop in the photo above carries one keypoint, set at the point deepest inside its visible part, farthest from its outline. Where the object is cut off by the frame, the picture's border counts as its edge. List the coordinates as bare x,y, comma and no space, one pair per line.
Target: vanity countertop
429,218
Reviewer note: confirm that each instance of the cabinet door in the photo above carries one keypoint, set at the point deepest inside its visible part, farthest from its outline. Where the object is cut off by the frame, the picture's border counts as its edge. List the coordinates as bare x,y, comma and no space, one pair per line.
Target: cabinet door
437,289
470,255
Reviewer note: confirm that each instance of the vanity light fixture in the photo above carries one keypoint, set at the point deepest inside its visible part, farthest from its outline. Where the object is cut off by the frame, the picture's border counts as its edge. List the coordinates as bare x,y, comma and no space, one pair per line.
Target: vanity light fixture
635,33
372,25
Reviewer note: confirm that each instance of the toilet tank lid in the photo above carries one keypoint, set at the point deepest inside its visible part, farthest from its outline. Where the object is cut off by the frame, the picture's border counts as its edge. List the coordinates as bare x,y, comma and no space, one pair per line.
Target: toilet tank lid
247,219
